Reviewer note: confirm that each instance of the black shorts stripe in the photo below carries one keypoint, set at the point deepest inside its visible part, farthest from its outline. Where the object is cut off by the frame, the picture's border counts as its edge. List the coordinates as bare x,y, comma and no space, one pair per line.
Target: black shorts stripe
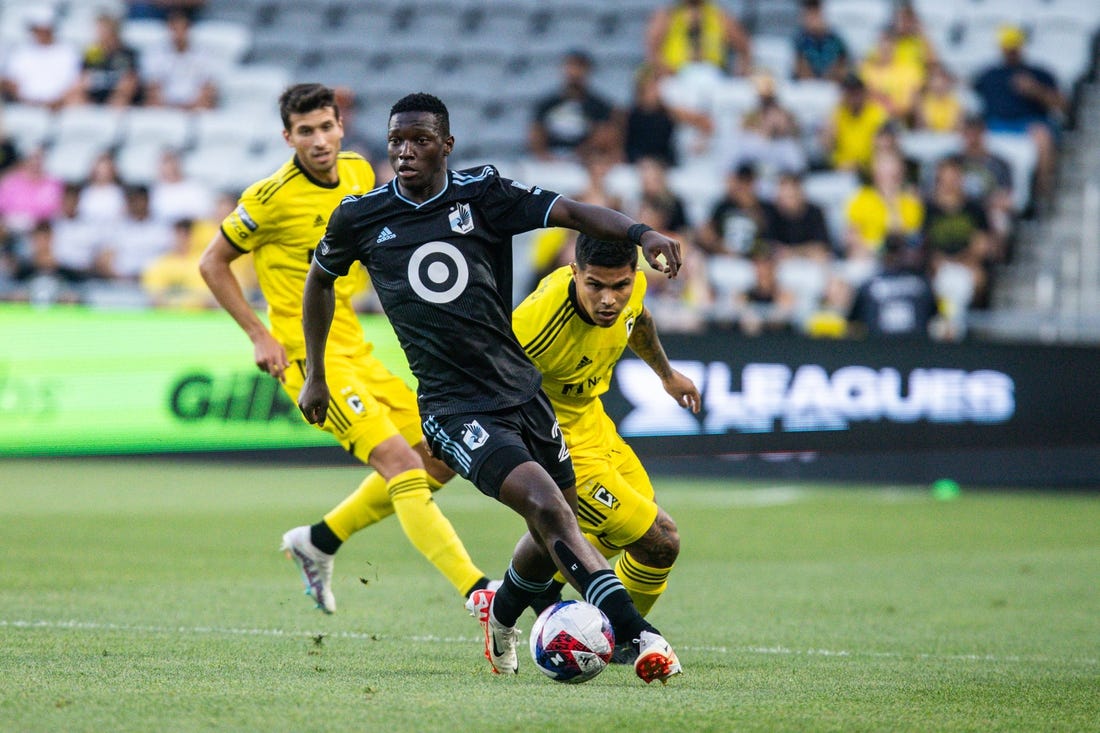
544,338
337,415
589,513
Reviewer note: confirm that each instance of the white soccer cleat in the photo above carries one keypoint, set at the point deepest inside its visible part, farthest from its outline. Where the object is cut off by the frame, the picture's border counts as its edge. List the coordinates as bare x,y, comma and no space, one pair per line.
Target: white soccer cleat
500,640
492,588
656,660
316,567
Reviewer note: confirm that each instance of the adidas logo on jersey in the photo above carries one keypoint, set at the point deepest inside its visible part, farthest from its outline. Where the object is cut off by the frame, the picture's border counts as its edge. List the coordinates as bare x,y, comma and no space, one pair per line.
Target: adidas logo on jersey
319,221
585,361
385,235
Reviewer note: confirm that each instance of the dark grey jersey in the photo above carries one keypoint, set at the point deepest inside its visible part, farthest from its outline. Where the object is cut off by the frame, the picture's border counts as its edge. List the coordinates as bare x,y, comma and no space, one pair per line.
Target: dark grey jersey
443,273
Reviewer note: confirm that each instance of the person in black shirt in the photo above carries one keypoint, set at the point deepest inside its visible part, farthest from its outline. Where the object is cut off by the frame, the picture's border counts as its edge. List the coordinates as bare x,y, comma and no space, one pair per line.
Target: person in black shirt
796,224
575,121
437,245
898,300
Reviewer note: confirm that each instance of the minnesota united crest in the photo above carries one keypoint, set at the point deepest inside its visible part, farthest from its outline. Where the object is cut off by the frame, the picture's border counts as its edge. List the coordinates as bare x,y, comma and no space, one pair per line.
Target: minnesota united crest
462,219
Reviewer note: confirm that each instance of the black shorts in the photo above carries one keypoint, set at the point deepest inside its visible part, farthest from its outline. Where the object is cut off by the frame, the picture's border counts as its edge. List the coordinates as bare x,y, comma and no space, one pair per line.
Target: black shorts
484,447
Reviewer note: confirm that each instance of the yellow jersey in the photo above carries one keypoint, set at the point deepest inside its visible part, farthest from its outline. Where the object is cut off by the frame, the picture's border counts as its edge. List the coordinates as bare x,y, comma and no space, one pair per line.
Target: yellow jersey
855,134
873,217
678,46
280,220
576,357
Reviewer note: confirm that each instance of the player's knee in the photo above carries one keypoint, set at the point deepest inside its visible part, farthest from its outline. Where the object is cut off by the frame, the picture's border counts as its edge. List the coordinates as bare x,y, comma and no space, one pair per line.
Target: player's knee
661,544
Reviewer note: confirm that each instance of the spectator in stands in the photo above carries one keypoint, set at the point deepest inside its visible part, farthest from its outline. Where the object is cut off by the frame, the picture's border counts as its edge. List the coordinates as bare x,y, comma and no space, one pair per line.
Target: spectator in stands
44,71
173,280
575,121
848,135
1020,97
651,123
657,196
179,75
134,243
939,107
102,199
765,306
883,207
162,9
987,178
819,51
697,32
29,194
736,221
43,277
770,138
911,44
110,68
76,240
9,154
173,196
888,140
896,301
892,80
955,228
795,225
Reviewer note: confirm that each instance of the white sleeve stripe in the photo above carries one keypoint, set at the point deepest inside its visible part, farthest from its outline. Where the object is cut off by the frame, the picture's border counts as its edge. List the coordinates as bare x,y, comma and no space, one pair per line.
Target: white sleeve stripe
546,219
334,274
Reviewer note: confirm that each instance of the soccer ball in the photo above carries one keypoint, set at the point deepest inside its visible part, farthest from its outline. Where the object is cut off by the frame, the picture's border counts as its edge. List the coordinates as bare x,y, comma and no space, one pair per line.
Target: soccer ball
572,641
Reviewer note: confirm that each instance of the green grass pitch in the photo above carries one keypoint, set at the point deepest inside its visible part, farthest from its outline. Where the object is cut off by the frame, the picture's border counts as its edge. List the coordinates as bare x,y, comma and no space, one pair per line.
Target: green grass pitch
143,595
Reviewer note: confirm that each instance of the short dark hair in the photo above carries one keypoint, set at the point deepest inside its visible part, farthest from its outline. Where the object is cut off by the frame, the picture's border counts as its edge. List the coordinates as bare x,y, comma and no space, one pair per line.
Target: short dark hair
603,253
424,102
302,98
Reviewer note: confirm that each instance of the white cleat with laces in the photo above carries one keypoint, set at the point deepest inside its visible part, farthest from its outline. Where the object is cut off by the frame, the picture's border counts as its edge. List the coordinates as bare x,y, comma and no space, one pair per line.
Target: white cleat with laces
316,567
500,640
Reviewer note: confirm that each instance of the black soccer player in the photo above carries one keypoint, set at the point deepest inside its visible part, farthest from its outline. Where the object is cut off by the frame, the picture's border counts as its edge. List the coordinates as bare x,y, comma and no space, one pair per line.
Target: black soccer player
437,246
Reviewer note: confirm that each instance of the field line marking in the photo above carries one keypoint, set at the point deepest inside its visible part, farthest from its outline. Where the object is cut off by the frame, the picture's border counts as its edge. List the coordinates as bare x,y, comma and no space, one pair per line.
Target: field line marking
76,625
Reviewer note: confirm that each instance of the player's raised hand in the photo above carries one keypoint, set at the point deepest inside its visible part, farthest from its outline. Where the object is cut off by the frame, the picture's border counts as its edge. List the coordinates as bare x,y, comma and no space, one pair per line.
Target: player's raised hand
313,400
270,356
683,390
661,252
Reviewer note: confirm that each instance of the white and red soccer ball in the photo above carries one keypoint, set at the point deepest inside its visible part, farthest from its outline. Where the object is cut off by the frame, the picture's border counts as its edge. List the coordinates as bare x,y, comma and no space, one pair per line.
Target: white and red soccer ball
572,641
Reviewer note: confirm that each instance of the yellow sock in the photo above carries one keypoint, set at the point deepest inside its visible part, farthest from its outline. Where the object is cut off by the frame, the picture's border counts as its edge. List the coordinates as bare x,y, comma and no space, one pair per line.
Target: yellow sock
429,531
362,508
644,584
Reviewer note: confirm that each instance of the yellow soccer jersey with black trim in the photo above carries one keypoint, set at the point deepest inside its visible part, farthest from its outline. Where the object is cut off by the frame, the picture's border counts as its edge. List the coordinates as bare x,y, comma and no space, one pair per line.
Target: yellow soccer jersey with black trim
576,357
280,220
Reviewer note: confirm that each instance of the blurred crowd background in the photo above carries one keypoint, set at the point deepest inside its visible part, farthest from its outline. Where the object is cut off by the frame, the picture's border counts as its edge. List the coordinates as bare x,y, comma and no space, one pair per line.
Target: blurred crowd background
833,167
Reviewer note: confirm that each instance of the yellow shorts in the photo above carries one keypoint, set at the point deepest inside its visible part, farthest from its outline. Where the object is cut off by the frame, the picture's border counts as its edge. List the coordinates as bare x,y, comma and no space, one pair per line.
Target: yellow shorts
615,502
369,404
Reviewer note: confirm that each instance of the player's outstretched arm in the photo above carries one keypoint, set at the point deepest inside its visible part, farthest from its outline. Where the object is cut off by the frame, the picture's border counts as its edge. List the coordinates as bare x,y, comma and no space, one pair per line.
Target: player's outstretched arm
318,305
269,354
661,252
645,343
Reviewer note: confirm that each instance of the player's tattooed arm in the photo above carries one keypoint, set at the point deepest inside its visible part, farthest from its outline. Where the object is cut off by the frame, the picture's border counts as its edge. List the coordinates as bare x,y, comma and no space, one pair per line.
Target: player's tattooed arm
645,343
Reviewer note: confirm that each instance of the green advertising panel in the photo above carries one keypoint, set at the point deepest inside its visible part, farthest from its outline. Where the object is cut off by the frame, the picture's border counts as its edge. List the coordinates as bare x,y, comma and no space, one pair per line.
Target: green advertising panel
77,381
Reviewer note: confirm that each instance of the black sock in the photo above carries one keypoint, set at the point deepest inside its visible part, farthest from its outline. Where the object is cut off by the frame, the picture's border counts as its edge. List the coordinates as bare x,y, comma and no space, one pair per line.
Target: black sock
323,538
547,598
514,594
481,584
605,591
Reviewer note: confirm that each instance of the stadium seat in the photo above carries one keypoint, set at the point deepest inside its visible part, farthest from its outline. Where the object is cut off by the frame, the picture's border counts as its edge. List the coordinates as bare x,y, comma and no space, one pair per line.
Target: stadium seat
700,185
160,126
928,147
71,159
831,190
99,126
144,36
811,101
806,279
224,43
1020,153
953,285
28,125
253,87
222,167
138,160
729,277
774,54
565,177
